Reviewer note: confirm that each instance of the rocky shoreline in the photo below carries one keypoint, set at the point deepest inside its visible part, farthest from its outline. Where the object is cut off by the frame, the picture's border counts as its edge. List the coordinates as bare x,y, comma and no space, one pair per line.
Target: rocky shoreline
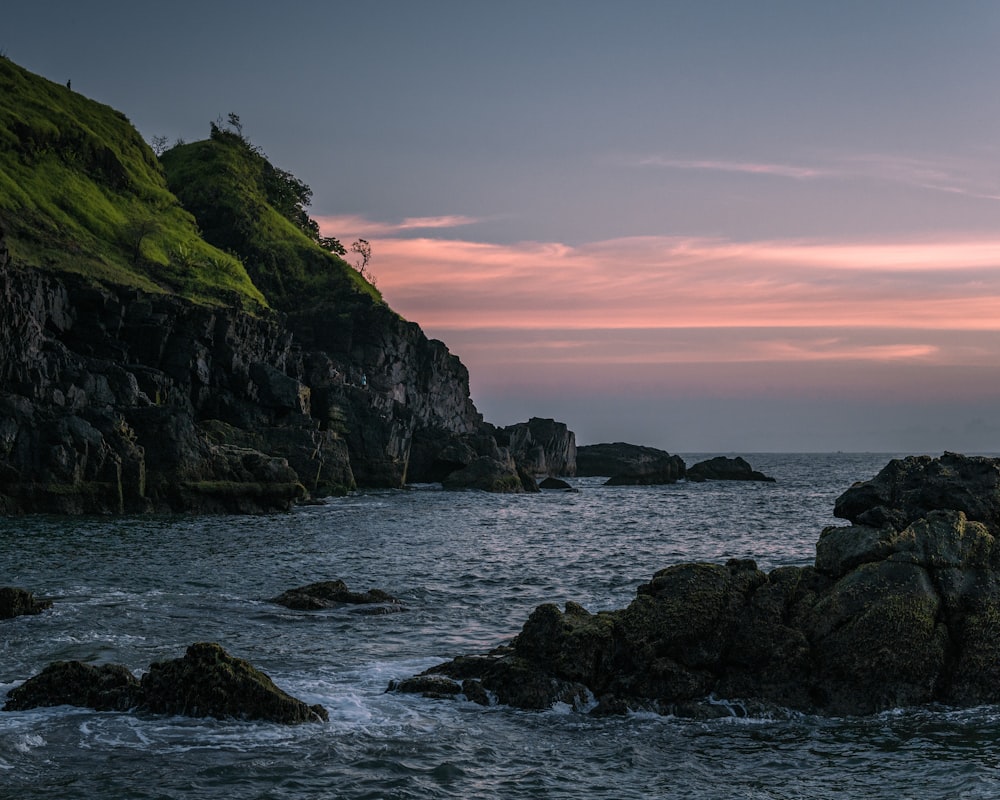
900,609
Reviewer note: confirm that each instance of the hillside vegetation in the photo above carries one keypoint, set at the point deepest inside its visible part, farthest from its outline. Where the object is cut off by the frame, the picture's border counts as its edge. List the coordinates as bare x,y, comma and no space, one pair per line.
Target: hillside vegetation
247,206
80,191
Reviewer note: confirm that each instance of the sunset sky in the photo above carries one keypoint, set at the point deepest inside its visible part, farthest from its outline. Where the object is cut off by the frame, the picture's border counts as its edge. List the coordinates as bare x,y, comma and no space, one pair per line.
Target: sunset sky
704,226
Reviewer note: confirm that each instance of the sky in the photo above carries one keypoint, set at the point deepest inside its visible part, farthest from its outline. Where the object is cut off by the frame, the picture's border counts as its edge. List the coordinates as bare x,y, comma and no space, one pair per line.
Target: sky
705,226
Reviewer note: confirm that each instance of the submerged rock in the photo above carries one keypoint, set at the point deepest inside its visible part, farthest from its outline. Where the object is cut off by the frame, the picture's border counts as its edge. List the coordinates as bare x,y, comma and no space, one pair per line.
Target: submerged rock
722,468
887,617
556,483
18,602
331,594
206,682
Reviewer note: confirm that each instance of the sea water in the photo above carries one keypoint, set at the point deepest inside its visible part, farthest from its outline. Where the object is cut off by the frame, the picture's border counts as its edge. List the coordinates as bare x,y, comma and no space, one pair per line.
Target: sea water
469,568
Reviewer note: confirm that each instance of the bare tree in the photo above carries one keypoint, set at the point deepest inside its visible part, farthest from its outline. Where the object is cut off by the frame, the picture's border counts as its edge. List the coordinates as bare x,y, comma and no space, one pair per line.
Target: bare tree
159,145
364,250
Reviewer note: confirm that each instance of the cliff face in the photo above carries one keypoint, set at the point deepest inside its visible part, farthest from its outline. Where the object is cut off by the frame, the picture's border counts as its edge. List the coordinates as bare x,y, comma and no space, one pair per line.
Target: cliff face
112,400
175,334
386,381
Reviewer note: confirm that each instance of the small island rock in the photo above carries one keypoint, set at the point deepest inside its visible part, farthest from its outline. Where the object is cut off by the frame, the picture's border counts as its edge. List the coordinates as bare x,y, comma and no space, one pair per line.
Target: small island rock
331,594
628,464
722,468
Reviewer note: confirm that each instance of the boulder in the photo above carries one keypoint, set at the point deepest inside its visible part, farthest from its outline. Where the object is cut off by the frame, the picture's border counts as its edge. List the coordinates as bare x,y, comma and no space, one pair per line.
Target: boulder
206,682
487,474
628,464
17,602
888,616
722,468
331,594
107,687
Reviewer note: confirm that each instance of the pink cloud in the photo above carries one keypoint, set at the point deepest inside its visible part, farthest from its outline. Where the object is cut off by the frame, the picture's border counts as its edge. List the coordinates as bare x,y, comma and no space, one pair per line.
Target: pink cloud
668,282
350,226
749,167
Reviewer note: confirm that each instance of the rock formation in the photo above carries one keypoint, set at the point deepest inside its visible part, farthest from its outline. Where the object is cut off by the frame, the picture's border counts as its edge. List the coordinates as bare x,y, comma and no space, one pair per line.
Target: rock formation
722,468
541,446
901,608
206,682
18,602
114,400
628,464
331,594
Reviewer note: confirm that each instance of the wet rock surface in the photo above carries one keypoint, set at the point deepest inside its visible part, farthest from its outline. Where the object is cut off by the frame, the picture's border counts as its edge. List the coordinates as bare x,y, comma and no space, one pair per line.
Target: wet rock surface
333,594
889,615
16,602
206,682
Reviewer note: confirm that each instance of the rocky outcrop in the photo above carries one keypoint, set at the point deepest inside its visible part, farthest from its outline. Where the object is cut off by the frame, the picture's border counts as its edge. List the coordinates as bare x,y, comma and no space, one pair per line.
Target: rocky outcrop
206,682
906,489
541,446
331,594
886,617
19,602
106,687
722,468
114,400
628,464
488,474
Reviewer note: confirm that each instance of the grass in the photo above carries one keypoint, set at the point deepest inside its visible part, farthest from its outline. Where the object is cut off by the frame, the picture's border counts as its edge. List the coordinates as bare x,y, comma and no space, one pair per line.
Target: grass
234,194
80,191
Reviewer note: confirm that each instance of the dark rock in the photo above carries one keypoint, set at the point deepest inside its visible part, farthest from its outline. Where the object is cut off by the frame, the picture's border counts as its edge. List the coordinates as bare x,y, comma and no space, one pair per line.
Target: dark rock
628,464
541,446
113,400
17,602
487,474
108,687
330,594
907,489
555,483
888,617
722,468
208,682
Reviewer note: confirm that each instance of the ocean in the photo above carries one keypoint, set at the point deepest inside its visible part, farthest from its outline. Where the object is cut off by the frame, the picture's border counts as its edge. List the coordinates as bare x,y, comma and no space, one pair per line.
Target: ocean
469,568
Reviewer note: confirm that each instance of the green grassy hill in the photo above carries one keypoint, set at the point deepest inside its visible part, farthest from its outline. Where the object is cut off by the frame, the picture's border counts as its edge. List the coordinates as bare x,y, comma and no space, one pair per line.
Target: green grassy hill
80,191
249,207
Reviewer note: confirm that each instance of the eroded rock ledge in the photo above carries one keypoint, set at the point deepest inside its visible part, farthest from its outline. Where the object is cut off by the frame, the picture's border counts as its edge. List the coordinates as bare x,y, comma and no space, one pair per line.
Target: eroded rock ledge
901,608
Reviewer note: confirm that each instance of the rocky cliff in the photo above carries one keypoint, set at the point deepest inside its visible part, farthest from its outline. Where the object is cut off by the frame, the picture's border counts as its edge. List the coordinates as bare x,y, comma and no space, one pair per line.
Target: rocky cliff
114,399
